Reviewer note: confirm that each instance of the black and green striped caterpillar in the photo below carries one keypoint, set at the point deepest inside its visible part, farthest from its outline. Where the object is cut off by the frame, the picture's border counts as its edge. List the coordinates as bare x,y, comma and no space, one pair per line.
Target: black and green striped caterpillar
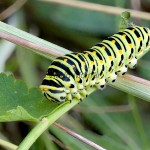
71,75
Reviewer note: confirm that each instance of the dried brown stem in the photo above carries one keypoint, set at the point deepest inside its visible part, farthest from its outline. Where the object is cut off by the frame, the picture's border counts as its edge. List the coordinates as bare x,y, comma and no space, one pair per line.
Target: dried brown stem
101,8
12,9
81,138
64,147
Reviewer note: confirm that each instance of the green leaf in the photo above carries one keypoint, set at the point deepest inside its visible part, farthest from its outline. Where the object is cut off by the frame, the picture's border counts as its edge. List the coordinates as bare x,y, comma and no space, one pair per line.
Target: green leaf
14,114
17,102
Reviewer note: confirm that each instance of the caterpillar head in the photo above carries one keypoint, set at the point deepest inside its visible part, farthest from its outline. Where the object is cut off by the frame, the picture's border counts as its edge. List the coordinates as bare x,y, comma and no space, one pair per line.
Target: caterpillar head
53,90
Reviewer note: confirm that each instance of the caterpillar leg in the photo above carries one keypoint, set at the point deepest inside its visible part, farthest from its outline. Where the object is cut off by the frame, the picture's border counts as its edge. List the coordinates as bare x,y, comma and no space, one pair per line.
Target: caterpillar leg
132,63
83,92
112,77
122,70
69,97
77,95
101,84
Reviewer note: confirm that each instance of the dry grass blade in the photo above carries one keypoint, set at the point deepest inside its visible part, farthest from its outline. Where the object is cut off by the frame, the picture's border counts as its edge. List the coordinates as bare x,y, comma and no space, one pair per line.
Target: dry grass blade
81,138
64,147
101,8
12,9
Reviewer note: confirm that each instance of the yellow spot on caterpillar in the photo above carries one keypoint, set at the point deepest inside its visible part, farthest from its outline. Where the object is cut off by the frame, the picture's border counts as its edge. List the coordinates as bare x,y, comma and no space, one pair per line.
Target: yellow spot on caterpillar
83,62
61,76
139,39
86,77
68,84
110,57
93,75
101,75
130,45
92,62
113,41
121,65
53,88
111,70
124,35
140,50
65,60
78,79
103,47
101,61
120,51
131,57
73,66
133,30
86,54
54,73
94,52
43,88
60,89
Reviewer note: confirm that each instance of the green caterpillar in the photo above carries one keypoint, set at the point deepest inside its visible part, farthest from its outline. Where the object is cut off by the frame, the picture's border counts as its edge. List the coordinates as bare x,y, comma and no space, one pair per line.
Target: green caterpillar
71,75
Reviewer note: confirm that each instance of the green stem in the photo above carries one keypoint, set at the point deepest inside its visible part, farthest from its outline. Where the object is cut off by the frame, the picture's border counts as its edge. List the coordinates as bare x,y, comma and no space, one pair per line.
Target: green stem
46,122
7,145
138,122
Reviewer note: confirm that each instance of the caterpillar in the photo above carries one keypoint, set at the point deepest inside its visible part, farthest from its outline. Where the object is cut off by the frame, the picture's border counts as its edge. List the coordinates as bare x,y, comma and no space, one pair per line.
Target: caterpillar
71,75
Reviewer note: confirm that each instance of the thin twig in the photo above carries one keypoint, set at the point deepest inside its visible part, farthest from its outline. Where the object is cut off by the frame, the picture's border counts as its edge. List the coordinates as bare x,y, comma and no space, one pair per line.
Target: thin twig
12,9
100,8
81,138
58,142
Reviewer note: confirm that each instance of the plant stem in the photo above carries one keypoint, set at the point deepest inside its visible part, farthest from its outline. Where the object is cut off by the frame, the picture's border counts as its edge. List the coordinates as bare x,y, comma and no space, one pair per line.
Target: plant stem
7,145
44,124
79,137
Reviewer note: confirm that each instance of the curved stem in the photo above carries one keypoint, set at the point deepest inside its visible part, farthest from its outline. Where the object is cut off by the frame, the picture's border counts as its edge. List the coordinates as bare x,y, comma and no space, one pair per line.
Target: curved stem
44,124
8,145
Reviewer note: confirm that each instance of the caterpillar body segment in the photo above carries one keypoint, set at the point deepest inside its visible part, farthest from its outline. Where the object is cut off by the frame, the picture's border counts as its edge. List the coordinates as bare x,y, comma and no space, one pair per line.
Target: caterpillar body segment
73,74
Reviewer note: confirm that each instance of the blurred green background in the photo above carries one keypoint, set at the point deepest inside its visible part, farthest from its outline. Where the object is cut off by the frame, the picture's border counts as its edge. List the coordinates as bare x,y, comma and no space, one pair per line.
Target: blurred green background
110,118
